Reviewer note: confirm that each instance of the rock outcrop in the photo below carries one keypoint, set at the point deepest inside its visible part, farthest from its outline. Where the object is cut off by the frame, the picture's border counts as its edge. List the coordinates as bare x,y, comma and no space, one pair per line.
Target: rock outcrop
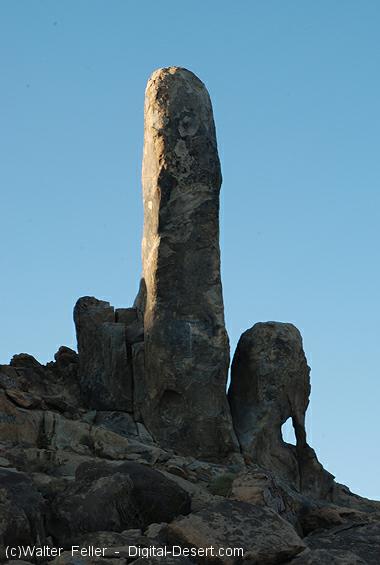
105,340
21,509
104,372
128,446
186,343
270,383
115,498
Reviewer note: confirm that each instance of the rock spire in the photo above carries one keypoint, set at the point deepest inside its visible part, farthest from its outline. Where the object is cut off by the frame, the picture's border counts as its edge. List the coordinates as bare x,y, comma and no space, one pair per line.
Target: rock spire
186,343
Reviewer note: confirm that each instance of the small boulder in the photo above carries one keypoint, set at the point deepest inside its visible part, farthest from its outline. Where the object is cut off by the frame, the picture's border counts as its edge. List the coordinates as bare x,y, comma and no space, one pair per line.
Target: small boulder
66,357
264,537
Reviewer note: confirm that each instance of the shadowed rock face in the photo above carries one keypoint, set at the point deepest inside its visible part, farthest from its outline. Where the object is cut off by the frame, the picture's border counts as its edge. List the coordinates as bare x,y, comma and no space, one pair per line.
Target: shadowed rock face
270,382
104,371
116,498
186,344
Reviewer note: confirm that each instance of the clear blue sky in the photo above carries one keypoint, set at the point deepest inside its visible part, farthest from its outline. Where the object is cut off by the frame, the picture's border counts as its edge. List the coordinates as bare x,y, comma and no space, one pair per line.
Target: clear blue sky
295,86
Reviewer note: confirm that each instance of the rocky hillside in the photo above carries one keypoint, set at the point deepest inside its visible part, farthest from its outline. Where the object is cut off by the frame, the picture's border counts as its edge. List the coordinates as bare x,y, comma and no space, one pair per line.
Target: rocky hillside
130,451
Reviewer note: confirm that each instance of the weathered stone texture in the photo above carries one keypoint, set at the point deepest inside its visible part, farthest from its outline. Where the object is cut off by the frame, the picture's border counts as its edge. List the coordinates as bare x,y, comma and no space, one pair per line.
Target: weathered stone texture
104,371
110,497
265,538
21,511
361,539
330,557
270,383
186,344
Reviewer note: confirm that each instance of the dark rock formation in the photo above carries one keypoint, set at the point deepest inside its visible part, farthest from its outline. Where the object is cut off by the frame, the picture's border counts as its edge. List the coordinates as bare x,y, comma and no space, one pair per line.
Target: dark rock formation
105,370
115,498
130,443
21,510
360,539
186,344
270,383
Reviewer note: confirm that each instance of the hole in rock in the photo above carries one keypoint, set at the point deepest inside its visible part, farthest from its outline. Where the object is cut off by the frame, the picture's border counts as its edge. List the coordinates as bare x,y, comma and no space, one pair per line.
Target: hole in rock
287,432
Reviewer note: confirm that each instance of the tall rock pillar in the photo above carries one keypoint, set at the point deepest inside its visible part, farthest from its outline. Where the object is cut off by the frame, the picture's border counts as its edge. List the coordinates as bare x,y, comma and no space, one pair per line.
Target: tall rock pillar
186,344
